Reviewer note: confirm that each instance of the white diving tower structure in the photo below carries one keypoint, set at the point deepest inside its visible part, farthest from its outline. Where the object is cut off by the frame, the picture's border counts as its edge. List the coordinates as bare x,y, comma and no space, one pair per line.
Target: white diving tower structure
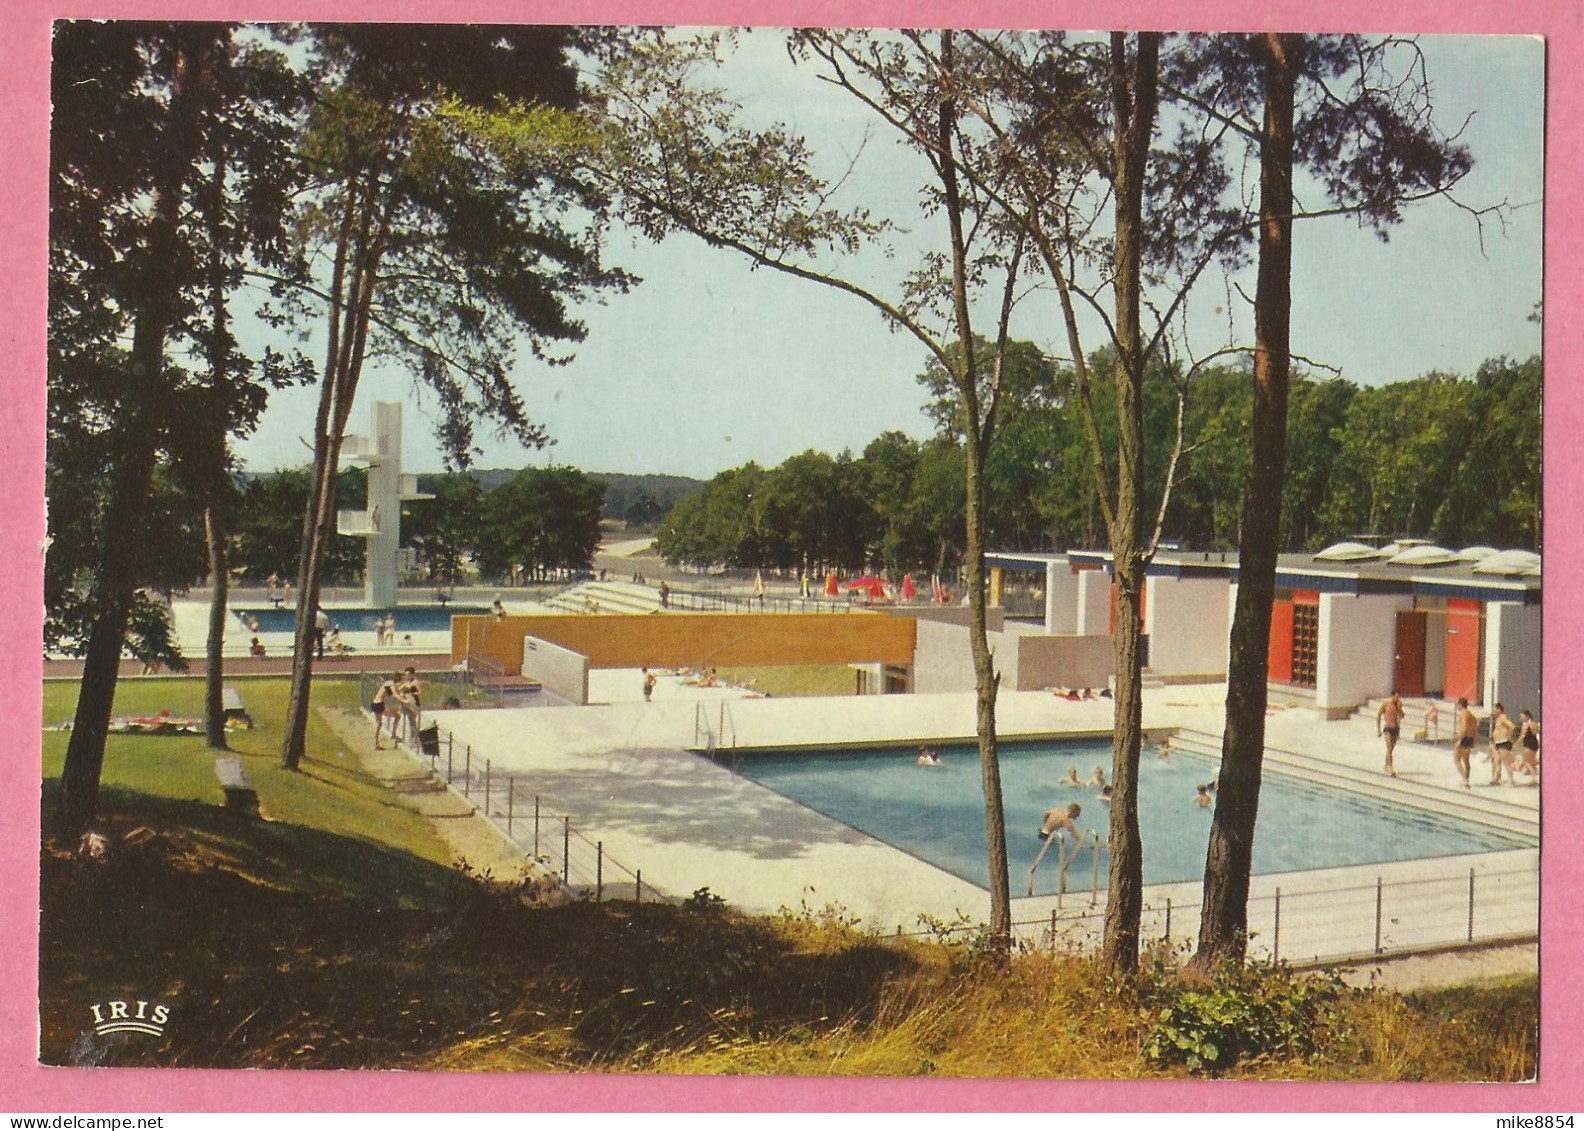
388,488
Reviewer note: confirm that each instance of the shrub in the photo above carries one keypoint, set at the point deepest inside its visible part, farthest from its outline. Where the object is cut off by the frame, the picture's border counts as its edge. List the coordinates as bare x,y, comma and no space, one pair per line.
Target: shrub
1245,1013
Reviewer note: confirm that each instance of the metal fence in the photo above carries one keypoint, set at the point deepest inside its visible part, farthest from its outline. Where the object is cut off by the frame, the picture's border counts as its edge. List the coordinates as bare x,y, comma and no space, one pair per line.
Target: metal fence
693,600
529,820
1323,924
479,684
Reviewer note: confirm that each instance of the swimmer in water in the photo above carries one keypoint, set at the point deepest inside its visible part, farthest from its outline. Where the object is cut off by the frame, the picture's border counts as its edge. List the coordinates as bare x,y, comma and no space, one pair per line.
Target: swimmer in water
1105,796
1202,797
1165,749
1072,777
1099,776
928,757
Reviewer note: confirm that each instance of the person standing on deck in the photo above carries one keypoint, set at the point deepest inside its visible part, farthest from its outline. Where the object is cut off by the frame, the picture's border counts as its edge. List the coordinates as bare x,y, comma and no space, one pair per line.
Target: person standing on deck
1501,740
1466,727
1388,724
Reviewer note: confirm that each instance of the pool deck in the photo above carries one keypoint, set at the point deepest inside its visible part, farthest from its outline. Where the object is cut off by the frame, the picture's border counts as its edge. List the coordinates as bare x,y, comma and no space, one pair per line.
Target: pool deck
623,771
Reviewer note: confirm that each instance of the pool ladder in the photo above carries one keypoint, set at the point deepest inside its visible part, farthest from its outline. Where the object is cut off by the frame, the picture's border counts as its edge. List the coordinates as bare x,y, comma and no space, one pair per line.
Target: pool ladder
714,737
1093,839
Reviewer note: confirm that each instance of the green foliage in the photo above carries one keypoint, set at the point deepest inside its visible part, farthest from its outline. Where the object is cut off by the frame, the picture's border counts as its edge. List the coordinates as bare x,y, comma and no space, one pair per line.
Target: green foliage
1247,1013
543,520
268,520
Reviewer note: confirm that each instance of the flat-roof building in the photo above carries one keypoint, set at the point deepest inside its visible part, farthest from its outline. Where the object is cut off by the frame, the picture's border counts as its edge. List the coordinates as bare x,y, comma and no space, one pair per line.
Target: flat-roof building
1348,624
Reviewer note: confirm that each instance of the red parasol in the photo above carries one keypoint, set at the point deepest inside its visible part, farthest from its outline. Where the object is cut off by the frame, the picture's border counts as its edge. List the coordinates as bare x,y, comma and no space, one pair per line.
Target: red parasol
908,592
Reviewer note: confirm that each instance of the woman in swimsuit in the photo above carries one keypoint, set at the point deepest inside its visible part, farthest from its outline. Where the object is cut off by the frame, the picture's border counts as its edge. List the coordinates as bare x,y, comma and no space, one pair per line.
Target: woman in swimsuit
1529,742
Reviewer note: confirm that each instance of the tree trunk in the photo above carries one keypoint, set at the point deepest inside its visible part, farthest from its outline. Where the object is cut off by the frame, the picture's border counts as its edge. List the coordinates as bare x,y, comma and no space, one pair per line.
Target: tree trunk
1133,104
1223,923
123,536
319,514
215,468
975,442
214,672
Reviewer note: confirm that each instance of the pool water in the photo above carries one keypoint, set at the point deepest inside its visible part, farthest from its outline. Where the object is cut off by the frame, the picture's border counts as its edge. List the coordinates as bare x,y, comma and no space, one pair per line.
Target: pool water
936,813
409,618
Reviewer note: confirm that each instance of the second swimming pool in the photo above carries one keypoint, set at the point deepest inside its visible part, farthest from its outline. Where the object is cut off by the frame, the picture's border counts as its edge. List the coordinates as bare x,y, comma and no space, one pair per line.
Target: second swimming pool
937,812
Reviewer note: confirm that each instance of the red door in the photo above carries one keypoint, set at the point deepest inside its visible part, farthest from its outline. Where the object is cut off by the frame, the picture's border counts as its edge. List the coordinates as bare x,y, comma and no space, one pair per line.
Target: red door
1279,656
1409,668
1463,625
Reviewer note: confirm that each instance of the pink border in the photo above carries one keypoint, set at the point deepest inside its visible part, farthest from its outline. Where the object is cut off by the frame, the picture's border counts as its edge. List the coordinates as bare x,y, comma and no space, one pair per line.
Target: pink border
24,130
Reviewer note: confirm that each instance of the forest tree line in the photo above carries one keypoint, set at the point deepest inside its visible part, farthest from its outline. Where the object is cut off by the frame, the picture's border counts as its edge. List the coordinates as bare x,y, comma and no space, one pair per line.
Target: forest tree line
1455,459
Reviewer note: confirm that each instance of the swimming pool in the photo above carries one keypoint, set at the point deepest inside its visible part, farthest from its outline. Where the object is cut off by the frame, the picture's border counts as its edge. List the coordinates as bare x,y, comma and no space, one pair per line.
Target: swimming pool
409,618
936,813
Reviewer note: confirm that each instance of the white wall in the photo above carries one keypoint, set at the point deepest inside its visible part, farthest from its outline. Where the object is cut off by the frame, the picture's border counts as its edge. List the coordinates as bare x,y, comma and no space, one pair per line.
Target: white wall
941,659
1094,603
1512,656
1061,599
1187,625
1358,648
561,670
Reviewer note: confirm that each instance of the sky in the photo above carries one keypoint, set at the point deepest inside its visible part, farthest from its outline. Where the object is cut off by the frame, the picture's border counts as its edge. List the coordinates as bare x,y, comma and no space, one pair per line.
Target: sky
707,364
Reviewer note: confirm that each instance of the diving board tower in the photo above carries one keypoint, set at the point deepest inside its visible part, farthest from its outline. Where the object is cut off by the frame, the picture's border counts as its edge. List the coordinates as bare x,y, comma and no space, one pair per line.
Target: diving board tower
388,488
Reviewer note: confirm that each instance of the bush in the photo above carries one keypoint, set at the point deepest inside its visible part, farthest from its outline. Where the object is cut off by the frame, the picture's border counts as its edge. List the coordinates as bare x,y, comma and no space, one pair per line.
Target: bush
1246,1013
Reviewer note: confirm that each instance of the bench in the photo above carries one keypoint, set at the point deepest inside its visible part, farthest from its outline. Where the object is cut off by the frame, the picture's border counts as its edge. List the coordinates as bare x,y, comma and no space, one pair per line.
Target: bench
239,795
231,701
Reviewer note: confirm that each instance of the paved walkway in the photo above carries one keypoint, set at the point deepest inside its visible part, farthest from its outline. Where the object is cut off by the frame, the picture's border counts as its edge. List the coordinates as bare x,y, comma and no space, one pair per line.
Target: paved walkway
623,773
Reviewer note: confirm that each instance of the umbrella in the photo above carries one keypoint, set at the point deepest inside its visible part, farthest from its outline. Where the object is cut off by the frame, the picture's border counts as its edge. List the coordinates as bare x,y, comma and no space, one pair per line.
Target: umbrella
830,585
759,583
908,592
872,586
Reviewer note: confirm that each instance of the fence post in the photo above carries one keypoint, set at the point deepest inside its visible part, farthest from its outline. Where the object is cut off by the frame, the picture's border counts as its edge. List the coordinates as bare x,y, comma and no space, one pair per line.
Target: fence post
536,825
638,886
1094,886
1471,906
599,871
467,772
566,850
486,787
1168,920
1053,930
1378,889
1276,937
448,758
511,793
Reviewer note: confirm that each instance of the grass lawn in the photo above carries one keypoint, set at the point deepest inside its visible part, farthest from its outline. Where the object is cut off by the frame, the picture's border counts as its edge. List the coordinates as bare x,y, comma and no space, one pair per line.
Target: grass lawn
347,832
794,679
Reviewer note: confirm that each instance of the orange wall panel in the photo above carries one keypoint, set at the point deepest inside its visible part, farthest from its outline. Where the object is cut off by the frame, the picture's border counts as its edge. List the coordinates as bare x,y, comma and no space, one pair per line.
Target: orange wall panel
1279,657
1463,649
685,640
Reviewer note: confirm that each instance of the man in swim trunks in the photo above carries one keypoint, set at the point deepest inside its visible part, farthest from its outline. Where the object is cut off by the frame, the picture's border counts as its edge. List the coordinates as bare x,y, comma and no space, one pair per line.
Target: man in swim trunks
1466,727
1501,737
1058,820
1388,724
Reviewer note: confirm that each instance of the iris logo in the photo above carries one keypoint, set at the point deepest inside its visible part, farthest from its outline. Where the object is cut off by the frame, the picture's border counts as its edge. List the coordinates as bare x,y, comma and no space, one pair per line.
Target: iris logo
130,1017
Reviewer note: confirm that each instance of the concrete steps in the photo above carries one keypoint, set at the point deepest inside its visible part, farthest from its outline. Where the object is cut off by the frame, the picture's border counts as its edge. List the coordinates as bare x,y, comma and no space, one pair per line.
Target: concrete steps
1484,806
592,597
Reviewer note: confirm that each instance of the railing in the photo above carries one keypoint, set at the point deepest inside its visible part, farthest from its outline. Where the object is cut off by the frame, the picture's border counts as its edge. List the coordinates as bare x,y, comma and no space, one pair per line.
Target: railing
1328,924
438,687
548,838
1092,839
714,738
711,602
